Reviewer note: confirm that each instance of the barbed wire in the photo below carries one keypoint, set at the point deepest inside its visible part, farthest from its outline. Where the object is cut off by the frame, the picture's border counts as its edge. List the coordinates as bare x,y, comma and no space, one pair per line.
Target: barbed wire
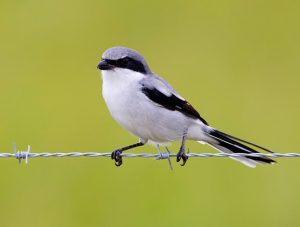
25,155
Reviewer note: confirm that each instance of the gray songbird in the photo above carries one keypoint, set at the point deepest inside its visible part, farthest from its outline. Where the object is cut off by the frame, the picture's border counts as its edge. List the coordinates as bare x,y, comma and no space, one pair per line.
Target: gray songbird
150,109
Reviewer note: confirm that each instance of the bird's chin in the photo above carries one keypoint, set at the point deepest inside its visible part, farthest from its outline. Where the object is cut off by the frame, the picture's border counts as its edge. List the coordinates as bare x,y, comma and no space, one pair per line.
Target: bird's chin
112,75
107,73
124,75
111,72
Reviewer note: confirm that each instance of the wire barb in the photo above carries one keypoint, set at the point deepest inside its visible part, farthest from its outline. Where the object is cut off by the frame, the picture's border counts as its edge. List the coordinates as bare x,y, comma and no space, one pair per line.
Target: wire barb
164,155
22,154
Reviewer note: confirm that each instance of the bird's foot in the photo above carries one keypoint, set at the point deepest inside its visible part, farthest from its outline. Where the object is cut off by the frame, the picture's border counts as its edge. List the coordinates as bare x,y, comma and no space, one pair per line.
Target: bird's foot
182,155
116,155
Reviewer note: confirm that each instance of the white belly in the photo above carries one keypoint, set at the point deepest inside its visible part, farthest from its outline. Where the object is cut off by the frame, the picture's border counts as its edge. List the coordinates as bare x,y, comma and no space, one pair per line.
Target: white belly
139,115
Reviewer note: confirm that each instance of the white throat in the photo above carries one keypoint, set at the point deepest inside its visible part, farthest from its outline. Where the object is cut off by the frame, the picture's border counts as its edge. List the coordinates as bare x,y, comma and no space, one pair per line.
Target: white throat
118,76
118,83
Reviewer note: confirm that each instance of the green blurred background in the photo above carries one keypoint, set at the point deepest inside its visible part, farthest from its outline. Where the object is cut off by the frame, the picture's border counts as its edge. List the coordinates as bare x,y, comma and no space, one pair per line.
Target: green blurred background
237,62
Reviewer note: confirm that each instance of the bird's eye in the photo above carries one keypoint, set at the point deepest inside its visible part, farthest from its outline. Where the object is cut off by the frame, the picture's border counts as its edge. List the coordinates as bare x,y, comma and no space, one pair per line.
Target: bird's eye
123,62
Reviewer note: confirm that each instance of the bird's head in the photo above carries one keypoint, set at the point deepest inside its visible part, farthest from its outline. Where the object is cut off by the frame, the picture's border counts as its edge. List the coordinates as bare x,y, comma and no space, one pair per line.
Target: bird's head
123,58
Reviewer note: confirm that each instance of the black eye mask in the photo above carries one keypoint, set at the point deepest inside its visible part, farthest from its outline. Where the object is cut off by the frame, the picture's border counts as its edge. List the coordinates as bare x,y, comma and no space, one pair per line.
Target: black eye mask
127,63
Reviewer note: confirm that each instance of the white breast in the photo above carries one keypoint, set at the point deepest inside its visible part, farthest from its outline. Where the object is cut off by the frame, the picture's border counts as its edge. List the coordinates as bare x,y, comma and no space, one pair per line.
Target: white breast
120,91
136,113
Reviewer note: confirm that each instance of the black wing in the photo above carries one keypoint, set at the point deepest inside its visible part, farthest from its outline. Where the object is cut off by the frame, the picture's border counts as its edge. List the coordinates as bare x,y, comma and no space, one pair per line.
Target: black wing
172,102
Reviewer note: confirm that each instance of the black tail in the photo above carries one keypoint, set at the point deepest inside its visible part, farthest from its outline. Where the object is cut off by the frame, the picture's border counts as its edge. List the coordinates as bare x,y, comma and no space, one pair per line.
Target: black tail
231,143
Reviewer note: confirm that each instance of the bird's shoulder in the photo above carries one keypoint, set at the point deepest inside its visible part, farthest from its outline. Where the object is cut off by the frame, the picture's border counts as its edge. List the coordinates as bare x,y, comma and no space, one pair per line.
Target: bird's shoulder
162,93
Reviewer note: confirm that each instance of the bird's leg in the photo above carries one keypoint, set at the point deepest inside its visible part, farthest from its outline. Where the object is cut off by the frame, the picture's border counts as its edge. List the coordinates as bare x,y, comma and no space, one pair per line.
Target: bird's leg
181,154
116,154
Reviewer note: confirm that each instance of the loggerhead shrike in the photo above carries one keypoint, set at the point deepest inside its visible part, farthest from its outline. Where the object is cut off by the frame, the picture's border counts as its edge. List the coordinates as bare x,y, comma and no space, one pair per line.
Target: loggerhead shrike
149,108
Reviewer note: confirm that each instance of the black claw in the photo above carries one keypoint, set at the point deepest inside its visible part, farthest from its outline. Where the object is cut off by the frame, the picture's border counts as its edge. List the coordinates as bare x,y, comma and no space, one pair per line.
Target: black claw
183,156
116,155
118,163
184,159
178,158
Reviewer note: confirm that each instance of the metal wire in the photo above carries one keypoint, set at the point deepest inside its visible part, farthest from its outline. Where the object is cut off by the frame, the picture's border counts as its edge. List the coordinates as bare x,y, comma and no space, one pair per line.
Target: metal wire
25,155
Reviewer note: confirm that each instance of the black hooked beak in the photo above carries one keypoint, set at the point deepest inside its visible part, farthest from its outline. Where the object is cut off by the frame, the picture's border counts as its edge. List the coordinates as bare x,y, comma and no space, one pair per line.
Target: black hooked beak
104,65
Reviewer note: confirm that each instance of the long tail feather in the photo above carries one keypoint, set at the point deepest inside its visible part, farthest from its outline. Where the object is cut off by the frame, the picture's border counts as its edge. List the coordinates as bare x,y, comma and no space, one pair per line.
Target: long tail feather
227,143
244,141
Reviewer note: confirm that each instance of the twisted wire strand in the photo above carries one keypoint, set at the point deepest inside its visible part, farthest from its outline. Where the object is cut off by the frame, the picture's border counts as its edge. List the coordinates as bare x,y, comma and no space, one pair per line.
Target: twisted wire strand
161,155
